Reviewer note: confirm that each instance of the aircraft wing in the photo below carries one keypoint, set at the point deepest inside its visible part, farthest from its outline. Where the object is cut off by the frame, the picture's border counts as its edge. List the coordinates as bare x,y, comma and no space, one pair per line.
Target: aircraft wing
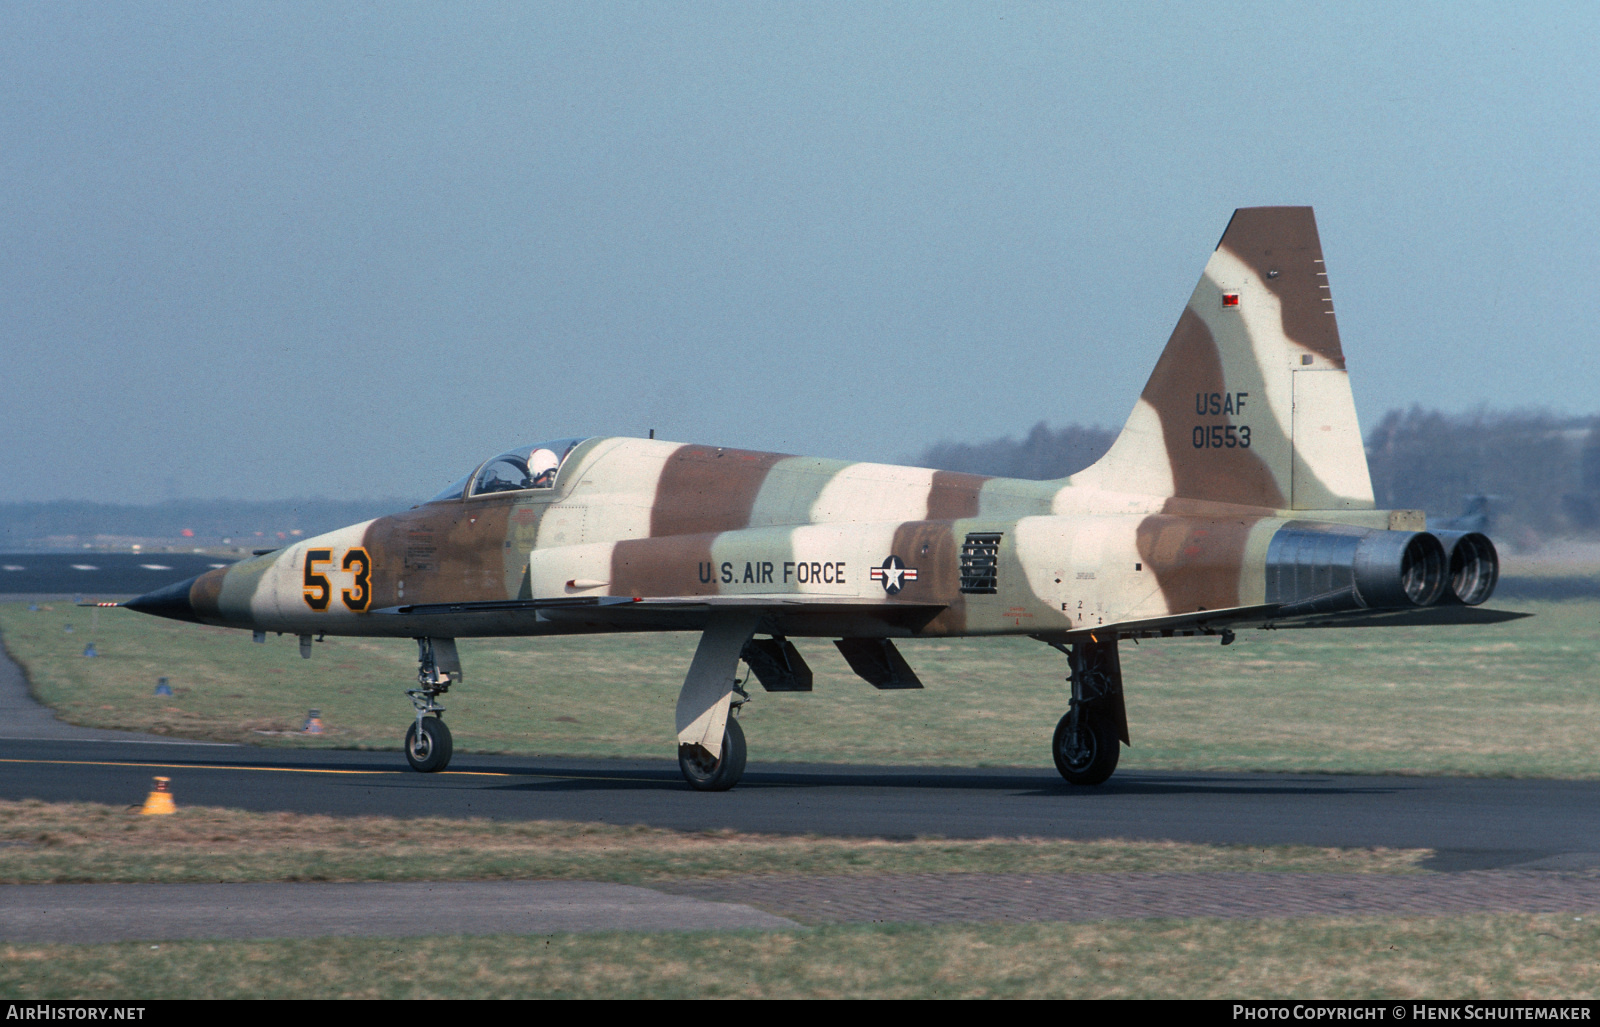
1203,622
790,610
795,613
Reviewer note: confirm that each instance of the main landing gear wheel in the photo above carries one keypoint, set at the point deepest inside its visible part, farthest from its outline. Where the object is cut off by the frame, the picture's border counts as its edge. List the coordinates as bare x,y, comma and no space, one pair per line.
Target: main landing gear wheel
708,775
1087,755
428,745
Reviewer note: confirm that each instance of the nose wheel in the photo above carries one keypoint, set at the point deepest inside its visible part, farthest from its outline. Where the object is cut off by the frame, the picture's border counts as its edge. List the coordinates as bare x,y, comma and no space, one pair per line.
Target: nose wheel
428,745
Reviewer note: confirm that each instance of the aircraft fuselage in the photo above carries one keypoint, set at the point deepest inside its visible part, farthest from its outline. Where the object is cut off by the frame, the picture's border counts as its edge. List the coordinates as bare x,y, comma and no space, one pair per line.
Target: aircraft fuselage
653,519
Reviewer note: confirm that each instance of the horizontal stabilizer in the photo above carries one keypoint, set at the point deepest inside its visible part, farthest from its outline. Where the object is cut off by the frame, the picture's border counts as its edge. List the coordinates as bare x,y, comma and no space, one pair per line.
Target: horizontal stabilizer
1427,616
1214,622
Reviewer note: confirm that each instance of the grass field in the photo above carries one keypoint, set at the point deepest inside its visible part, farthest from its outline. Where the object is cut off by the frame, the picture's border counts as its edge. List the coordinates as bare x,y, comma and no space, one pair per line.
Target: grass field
1513,699
1487,956
85,843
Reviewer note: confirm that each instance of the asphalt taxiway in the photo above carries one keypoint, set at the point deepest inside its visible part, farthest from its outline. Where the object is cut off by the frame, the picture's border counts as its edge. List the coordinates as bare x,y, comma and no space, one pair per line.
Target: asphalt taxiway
1471,823
98,575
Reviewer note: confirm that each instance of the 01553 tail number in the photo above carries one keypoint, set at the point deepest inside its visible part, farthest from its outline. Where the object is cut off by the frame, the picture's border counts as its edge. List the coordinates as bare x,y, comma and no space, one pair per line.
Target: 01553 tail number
1221,436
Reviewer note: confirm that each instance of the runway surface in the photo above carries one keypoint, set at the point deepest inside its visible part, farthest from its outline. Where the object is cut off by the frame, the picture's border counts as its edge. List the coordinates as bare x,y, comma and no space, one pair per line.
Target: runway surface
99,575
1472,823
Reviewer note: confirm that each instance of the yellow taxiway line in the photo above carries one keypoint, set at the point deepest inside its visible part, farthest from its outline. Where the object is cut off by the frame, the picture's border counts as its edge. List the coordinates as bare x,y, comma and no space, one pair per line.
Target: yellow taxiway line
312,770
210,766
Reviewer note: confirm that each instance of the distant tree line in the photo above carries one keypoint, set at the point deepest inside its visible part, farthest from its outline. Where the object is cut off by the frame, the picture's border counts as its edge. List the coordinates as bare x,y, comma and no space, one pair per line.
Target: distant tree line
1541,471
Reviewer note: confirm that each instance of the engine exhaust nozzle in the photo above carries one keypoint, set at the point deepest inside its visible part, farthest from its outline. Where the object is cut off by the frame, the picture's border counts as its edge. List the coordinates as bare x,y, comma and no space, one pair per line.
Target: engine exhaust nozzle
1474,566
1332,568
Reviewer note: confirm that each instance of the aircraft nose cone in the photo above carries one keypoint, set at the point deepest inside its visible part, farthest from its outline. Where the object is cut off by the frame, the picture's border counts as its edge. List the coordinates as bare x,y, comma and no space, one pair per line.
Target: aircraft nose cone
172,601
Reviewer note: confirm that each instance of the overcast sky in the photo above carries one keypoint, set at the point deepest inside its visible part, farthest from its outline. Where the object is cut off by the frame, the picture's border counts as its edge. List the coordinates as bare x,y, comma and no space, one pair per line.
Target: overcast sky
262,251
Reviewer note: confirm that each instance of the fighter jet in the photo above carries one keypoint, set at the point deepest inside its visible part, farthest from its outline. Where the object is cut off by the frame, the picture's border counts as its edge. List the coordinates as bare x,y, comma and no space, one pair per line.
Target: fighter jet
1237,496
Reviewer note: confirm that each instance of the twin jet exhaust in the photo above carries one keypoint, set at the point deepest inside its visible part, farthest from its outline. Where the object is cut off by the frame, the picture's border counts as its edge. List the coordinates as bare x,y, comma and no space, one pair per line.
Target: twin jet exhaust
1323,568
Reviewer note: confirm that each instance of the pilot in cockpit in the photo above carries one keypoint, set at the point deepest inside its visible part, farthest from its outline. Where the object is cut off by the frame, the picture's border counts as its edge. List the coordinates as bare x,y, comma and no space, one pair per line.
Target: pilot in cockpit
542,464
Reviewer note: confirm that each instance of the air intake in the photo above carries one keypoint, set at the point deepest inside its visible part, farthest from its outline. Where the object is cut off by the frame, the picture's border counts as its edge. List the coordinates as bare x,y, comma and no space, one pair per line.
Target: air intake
980,562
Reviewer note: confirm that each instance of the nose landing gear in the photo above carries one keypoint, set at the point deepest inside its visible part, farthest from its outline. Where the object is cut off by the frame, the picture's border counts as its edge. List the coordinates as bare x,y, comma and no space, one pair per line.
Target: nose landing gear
428,742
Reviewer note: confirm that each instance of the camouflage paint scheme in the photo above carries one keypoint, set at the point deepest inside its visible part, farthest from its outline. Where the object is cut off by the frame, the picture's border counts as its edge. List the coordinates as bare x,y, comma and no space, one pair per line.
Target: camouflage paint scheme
1246,424
637,517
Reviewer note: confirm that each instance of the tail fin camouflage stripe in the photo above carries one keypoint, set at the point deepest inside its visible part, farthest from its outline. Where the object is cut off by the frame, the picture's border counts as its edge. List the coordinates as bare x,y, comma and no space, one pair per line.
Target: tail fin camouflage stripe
1281,251
1249,403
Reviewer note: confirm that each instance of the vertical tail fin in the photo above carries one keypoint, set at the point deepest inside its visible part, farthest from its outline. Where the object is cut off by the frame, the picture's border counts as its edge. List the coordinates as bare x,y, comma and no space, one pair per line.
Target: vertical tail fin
1250,402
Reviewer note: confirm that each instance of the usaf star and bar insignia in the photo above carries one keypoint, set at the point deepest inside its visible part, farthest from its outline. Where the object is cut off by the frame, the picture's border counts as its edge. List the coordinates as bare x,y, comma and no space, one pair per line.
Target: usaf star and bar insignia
894,574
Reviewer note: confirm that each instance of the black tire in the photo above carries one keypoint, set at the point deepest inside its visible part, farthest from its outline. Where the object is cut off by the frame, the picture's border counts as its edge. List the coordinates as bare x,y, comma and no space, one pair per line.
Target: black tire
1092,756
430,751
705,775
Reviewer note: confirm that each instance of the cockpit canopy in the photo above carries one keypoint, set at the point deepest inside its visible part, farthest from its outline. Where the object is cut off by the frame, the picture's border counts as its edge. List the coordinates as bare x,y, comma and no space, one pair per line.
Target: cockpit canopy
521,469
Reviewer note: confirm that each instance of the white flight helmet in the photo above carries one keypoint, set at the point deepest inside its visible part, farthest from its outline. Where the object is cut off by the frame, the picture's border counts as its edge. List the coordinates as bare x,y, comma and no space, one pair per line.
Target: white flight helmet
542,464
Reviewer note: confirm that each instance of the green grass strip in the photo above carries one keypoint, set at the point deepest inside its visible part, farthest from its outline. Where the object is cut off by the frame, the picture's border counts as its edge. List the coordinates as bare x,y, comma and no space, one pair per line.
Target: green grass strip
1484,956
66,843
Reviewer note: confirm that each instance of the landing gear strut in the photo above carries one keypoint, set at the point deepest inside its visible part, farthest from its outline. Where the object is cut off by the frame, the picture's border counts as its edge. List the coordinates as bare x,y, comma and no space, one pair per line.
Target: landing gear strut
711,748
1086,740
428,743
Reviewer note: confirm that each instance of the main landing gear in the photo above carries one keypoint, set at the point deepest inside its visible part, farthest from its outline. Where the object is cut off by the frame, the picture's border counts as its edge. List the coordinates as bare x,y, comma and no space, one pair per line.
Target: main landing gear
428,743
706,774
1086,744
711,749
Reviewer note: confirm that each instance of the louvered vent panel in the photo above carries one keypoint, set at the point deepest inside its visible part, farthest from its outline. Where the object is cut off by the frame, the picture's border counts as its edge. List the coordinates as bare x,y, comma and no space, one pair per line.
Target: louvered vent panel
980,562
